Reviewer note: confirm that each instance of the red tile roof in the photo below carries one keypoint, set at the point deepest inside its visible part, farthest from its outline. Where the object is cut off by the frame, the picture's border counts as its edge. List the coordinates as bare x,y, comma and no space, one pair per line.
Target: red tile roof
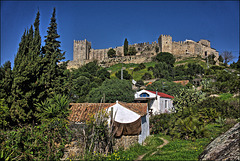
161,94
81,112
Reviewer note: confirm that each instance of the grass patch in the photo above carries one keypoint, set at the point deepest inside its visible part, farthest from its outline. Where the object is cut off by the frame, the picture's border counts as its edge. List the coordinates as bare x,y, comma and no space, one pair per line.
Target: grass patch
137,75
178,149
152,142
225,96
199,61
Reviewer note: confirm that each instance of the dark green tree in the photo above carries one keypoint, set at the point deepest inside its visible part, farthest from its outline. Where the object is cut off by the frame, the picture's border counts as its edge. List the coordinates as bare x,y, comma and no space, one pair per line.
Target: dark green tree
103,74
125,47
81,87
111,53
6,78
237,64
139,83
162,70
85,78
210,59
112,90
167,87
132,50
165,57
126,75
26,87
220,58
146,76
194,69
54,72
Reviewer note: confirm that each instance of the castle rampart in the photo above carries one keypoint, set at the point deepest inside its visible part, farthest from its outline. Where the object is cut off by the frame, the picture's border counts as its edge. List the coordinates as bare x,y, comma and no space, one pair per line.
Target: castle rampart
83,53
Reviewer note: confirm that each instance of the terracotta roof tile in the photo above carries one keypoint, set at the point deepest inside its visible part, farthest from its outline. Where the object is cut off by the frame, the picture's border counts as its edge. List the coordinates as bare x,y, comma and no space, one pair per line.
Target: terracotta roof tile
81,112
139,108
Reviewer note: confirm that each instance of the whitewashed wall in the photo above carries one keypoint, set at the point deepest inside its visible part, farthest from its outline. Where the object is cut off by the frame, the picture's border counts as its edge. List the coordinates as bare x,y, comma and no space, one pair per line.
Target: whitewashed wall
145,129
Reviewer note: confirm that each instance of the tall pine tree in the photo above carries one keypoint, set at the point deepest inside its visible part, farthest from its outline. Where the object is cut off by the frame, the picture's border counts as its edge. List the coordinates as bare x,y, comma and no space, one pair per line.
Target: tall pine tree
6,82
54,73
26,76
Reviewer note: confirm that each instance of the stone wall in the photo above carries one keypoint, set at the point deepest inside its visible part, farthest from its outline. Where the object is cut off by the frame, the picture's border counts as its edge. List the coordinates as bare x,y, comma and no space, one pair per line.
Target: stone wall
98,54
83,53
76,147
125,141
127,60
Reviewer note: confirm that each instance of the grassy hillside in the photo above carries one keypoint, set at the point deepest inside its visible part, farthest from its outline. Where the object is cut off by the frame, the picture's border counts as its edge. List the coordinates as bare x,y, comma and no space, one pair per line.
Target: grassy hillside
137,75
196,60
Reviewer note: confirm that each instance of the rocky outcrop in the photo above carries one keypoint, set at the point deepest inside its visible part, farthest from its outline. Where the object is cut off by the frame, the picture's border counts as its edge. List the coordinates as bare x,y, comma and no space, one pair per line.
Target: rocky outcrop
224,147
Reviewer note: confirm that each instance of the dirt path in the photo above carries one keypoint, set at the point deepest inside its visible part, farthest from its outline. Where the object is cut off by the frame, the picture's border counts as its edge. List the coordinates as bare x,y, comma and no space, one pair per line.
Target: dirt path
165,142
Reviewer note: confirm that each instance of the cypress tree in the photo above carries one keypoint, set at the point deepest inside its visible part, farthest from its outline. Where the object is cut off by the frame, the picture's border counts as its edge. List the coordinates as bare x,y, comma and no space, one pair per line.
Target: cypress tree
125,48
6,82
19,109
53,74
26,76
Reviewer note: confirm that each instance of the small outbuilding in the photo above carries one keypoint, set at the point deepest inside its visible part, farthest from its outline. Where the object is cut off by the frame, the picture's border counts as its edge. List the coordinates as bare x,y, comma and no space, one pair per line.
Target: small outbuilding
158,102
131,120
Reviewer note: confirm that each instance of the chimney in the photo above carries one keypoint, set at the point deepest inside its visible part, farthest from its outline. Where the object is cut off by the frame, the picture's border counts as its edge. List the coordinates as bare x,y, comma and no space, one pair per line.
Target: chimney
156,93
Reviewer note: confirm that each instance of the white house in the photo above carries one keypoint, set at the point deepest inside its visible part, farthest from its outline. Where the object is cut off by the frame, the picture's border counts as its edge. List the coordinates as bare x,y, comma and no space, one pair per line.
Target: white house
130,119
158,102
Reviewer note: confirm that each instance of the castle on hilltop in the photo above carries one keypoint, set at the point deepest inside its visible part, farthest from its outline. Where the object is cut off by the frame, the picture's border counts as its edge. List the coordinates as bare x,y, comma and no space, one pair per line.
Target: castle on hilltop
83,53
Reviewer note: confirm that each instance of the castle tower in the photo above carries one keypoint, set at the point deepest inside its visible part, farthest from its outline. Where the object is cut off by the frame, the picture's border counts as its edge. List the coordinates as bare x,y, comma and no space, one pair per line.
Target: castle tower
165,43
81,50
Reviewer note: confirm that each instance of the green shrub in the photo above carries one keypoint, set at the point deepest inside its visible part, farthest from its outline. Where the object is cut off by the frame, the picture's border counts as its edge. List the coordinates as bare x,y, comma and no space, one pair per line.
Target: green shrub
150,68
140,83
42,142
224,108
160,123
191,127
146,76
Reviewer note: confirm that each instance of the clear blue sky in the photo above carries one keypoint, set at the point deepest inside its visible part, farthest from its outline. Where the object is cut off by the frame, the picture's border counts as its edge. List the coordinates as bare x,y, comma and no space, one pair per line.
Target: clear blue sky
107,23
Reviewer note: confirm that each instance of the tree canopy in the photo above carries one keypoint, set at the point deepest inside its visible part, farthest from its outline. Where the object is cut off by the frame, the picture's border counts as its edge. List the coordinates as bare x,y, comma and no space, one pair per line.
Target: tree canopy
166,57
112,90
111,53
126,75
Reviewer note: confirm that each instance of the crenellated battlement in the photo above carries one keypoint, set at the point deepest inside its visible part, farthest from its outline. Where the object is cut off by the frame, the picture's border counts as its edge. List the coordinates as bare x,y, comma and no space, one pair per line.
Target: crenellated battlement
83,53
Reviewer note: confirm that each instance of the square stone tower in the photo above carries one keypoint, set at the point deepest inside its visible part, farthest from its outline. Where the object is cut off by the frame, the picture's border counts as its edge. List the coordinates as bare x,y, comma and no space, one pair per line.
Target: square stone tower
165,43
81,50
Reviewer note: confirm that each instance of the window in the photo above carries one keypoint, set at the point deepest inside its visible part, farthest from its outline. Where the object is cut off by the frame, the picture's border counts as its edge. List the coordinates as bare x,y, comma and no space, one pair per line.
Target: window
166,104
144,95
205,53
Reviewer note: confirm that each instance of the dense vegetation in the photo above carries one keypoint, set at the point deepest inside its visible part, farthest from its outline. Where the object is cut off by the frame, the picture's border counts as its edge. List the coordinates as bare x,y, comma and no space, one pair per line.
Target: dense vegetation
35,96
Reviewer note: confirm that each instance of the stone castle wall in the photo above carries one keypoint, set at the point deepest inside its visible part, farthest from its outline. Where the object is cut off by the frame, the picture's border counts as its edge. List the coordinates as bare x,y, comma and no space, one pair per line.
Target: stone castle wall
83,53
